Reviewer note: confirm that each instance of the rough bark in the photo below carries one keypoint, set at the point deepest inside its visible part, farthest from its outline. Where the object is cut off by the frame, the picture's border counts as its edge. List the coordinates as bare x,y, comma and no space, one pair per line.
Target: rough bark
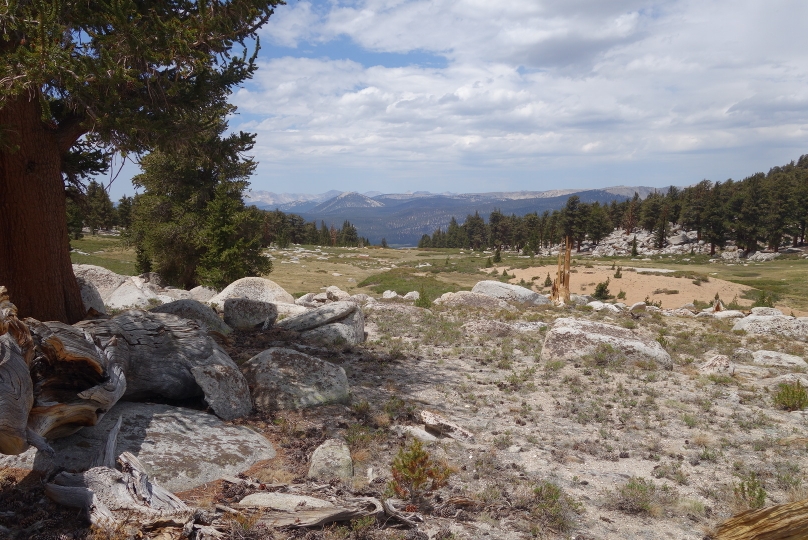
56,378
34,249
111,497
780,522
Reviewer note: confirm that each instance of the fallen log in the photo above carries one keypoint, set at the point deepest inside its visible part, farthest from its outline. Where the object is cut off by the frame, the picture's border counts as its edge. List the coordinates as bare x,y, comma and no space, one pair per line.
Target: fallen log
56,378
318,517
113,498
779,522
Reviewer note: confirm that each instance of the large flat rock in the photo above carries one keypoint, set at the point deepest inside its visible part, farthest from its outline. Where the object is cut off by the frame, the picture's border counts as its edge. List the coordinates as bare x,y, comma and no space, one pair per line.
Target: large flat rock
571,339
773,325
510,293
181,448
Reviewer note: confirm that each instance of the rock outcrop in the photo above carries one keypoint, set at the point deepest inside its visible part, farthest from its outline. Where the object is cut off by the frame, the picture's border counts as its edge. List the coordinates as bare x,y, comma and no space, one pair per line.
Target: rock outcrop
195,311
572,339
511,293
337,322
248,314
182,448
790,327
286,379
254,288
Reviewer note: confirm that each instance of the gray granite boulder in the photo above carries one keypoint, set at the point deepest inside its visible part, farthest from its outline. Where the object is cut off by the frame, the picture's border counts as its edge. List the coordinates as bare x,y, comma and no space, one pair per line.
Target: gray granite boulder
510,293
202,294
286,379
473,300
336,294
330,461
774,326
130,295
767,311
104,280
778,359
336,322
572,339
254,288
247,314
90,297
195,311
181,448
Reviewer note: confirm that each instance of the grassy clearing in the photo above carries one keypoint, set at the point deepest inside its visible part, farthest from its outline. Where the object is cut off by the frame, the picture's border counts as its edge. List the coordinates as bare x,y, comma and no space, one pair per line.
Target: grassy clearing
108,251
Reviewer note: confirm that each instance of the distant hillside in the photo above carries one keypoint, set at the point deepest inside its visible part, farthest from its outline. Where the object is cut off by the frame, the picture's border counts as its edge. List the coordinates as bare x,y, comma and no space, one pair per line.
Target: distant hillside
403,218
350,200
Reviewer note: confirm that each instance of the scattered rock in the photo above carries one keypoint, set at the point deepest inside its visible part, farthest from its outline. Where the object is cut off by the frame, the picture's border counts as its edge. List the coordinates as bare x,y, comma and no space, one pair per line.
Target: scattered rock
639,306
254,288
195,311
436,422
742,355
331,460
414,432
488,328
761,256
511,293
389,295
336,294
767,311
129,295
202,294
290,310
105,281
286,379
719,364
412,295
306,300
580,299
90,297
778,359
181,448
729,314
337,322
247,314
321,316
571,339
774,325
474,300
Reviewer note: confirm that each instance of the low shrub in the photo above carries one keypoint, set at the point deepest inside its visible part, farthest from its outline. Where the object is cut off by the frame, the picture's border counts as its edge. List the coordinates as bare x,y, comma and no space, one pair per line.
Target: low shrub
415,473
791,397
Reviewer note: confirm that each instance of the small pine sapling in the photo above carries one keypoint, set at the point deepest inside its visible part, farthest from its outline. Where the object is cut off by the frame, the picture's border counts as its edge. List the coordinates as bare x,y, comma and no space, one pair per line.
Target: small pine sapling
415,473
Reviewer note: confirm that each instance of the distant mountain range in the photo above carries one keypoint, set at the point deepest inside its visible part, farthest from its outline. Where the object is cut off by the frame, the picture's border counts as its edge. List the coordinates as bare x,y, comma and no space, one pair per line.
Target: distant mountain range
402,218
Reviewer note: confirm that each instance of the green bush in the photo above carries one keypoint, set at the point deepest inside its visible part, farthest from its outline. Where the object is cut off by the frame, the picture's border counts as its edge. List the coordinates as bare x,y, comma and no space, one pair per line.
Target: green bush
791,397
547,281
602,291
423,300
553,509
415,473
749,492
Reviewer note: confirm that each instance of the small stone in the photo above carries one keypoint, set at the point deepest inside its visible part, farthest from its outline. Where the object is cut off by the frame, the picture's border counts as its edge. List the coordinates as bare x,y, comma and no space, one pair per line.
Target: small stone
436,422
331,460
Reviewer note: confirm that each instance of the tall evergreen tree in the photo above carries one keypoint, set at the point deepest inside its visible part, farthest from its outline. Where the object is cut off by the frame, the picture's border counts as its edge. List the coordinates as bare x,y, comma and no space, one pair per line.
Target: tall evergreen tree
117,74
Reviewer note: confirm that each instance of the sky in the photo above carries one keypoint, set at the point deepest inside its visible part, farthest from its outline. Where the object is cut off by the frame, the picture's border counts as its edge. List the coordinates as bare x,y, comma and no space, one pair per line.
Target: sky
474,96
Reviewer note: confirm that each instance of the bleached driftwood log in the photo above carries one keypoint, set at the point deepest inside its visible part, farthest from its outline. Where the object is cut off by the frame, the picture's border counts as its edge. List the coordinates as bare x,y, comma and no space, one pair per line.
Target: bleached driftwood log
779,522
56,378
111,497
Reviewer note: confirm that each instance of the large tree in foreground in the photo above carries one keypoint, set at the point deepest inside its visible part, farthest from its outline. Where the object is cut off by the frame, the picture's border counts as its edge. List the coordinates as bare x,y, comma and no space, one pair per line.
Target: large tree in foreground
126,75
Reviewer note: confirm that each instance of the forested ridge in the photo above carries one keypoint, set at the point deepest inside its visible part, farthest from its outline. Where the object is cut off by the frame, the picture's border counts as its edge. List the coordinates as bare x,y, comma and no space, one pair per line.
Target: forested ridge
768,210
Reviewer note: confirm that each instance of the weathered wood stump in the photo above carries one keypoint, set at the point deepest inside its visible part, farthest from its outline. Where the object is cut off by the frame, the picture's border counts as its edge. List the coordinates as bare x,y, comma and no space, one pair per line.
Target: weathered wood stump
56,378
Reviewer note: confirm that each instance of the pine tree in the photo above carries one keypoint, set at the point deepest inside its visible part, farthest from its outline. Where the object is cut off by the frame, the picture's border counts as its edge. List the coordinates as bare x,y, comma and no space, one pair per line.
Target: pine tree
129,76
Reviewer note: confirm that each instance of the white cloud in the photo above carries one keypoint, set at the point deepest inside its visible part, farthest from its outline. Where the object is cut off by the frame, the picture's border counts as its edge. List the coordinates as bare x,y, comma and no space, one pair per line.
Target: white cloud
531,84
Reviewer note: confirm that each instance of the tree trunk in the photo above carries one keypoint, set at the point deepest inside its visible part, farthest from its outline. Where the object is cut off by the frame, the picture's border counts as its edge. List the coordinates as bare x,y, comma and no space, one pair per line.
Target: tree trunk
34,248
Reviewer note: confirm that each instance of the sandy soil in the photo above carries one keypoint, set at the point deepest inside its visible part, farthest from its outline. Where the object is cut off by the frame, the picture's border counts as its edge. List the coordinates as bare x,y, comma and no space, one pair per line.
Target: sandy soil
638,286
